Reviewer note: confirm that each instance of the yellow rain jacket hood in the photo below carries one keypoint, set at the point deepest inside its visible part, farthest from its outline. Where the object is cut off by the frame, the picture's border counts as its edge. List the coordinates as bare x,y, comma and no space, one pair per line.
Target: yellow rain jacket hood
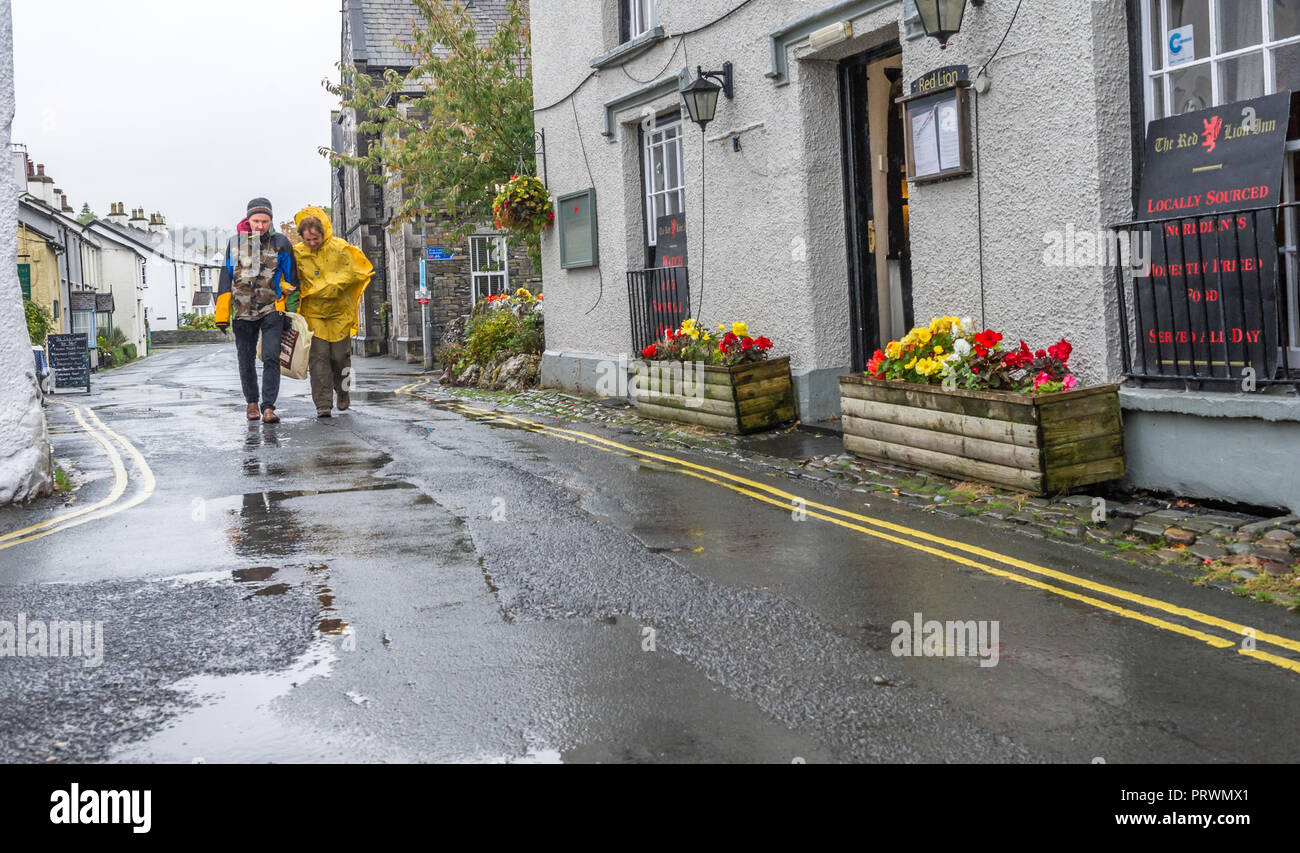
330,280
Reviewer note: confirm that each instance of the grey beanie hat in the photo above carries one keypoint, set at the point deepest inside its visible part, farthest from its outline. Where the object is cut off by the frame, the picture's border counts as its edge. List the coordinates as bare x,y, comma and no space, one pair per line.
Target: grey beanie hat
259,205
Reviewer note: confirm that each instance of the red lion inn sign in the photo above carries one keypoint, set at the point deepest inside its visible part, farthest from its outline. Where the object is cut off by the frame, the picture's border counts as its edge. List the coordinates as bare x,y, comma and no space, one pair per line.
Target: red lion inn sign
1208,306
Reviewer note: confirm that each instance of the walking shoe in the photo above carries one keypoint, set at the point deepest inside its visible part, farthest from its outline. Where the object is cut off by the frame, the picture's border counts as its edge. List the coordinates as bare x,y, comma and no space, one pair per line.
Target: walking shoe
252,412
322,413
270,417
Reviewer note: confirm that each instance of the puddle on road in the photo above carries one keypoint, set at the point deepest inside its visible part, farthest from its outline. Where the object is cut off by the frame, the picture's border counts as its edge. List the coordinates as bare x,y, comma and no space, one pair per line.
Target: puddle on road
256,573
234,723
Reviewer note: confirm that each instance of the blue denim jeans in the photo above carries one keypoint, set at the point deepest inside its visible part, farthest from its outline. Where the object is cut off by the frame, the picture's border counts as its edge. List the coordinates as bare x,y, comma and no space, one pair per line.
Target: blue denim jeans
246,331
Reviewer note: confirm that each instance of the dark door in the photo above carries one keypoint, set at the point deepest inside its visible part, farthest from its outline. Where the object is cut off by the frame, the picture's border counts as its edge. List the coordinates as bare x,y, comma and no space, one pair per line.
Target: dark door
864,317
869,231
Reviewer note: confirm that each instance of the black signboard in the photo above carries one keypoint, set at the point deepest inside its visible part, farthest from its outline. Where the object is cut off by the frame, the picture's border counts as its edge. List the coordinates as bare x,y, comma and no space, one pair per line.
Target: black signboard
668,296
81,300
670,240
70,361
941,78
1208,307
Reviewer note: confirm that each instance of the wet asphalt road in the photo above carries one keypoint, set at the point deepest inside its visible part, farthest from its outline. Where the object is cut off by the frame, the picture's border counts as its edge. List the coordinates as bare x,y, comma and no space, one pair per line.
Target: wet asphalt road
404,582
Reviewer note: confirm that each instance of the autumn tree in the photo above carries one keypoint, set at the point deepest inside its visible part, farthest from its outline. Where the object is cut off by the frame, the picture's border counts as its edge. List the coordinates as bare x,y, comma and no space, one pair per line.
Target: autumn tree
454,126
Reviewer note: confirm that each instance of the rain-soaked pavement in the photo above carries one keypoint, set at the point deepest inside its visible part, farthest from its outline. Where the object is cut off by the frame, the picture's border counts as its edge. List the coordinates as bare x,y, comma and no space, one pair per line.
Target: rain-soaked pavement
408,582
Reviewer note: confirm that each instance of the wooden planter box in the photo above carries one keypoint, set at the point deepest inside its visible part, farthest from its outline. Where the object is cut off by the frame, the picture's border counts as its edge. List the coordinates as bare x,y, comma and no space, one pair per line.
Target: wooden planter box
742,399
1037,443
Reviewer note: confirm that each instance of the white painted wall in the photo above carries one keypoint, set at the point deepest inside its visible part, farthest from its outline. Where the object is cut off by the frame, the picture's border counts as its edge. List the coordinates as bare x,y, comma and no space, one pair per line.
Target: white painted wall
121,268
25,470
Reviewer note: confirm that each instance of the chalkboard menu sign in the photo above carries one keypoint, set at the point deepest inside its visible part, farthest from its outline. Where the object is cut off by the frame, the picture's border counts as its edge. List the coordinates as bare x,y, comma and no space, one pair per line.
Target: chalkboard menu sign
1207,307
70,361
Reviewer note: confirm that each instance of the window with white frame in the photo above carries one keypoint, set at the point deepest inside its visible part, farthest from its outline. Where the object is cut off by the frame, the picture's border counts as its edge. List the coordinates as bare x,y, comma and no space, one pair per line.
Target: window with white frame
1203,53
489,267
661,156
635,18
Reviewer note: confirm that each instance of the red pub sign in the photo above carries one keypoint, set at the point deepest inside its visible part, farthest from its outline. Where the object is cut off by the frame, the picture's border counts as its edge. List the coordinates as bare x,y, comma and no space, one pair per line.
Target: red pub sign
1210,181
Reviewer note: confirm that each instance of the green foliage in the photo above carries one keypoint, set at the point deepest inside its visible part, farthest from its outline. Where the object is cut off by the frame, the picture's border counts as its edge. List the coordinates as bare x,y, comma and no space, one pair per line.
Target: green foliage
450,357
198,321
470,128
39,322
495,332
116,337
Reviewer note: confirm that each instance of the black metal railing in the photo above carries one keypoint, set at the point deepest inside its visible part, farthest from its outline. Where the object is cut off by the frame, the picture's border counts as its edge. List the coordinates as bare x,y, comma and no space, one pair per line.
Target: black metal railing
1213,309
659,299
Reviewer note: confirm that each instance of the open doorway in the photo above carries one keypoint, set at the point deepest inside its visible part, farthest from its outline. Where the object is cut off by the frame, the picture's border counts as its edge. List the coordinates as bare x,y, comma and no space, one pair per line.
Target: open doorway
875,196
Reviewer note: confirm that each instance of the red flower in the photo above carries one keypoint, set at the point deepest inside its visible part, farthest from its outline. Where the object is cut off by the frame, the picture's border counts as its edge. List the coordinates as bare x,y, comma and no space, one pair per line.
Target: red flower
649,351
1061,351
764,343
747,343
1019,358
987,339
1042,353
974,370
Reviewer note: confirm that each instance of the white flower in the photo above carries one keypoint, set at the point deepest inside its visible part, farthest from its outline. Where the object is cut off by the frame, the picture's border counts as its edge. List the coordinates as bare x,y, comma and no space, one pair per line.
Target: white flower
961,347
967,324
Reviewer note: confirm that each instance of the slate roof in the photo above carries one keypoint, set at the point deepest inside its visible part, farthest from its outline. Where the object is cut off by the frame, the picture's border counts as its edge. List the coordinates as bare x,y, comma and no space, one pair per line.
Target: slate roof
382,21
159,244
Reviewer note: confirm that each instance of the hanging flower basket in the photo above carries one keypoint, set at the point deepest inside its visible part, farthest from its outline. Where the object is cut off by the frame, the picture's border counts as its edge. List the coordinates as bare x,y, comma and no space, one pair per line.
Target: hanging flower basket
522,205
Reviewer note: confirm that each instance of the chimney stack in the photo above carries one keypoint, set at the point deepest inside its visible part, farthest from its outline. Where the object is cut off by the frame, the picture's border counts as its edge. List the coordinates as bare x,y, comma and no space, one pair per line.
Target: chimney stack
116,214
138,220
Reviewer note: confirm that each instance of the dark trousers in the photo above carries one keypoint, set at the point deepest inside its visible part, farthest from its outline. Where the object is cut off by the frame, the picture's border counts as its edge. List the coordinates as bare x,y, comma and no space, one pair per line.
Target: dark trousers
326,363
246,332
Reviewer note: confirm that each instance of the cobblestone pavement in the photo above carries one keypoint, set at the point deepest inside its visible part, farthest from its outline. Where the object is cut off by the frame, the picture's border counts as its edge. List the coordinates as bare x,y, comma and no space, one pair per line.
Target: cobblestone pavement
1246,554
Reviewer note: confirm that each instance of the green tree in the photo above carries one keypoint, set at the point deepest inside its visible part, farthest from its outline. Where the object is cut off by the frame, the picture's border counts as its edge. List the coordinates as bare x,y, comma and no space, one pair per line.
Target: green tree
39,322
86,213
469,128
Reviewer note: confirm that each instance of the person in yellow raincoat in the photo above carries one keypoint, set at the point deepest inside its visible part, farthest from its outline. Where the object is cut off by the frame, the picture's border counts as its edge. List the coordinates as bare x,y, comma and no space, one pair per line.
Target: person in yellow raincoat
332,274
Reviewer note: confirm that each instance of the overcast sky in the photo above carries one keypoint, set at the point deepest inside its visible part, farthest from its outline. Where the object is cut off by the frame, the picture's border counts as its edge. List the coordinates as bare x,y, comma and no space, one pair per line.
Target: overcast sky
188,108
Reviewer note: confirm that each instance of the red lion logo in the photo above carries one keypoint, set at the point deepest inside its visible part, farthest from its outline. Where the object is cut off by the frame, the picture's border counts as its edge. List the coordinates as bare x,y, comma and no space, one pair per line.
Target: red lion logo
1212,127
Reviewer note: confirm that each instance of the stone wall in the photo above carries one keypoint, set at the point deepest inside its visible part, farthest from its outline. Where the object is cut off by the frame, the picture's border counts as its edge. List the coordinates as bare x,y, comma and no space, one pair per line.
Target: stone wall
173,337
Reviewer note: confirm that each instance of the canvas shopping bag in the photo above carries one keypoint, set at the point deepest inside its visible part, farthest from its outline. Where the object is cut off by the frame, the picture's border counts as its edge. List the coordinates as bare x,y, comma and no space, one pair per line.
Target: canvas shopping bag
295,346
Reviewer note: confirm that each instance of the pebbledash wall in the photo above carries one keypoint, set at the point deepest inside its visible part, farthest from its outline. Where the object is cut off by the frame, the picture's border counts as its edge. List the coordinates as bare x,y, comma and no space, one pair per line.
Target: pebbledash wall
1055,147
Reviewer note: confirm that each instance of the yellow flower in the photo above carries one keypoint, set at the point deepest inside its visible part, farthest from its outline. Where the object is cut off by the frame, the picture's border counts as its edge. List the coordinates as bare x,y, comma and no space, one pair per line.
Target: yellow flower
927,366
938,350
893,349
909,365
523,292
691,328
923,335
739,329
722,327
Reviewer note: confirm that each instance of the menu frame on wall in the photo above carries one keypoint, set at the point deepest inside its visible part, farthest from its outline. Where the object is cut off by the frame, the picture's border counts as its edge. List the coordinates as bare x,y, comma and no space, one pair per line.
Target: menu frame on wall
936,128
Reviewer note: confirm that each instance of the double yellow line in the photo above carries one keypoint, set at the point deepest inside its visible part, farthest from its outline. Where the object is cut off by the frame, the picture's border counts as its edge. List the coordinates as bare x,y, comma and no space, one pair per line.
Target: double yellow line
111,504
951,550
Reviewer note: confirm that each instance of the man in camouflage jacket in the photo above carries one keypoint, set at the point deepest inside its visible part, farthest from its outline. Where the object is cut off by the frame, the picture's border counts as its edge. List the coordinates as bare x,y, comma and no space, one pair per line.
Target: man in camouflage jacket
258,270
